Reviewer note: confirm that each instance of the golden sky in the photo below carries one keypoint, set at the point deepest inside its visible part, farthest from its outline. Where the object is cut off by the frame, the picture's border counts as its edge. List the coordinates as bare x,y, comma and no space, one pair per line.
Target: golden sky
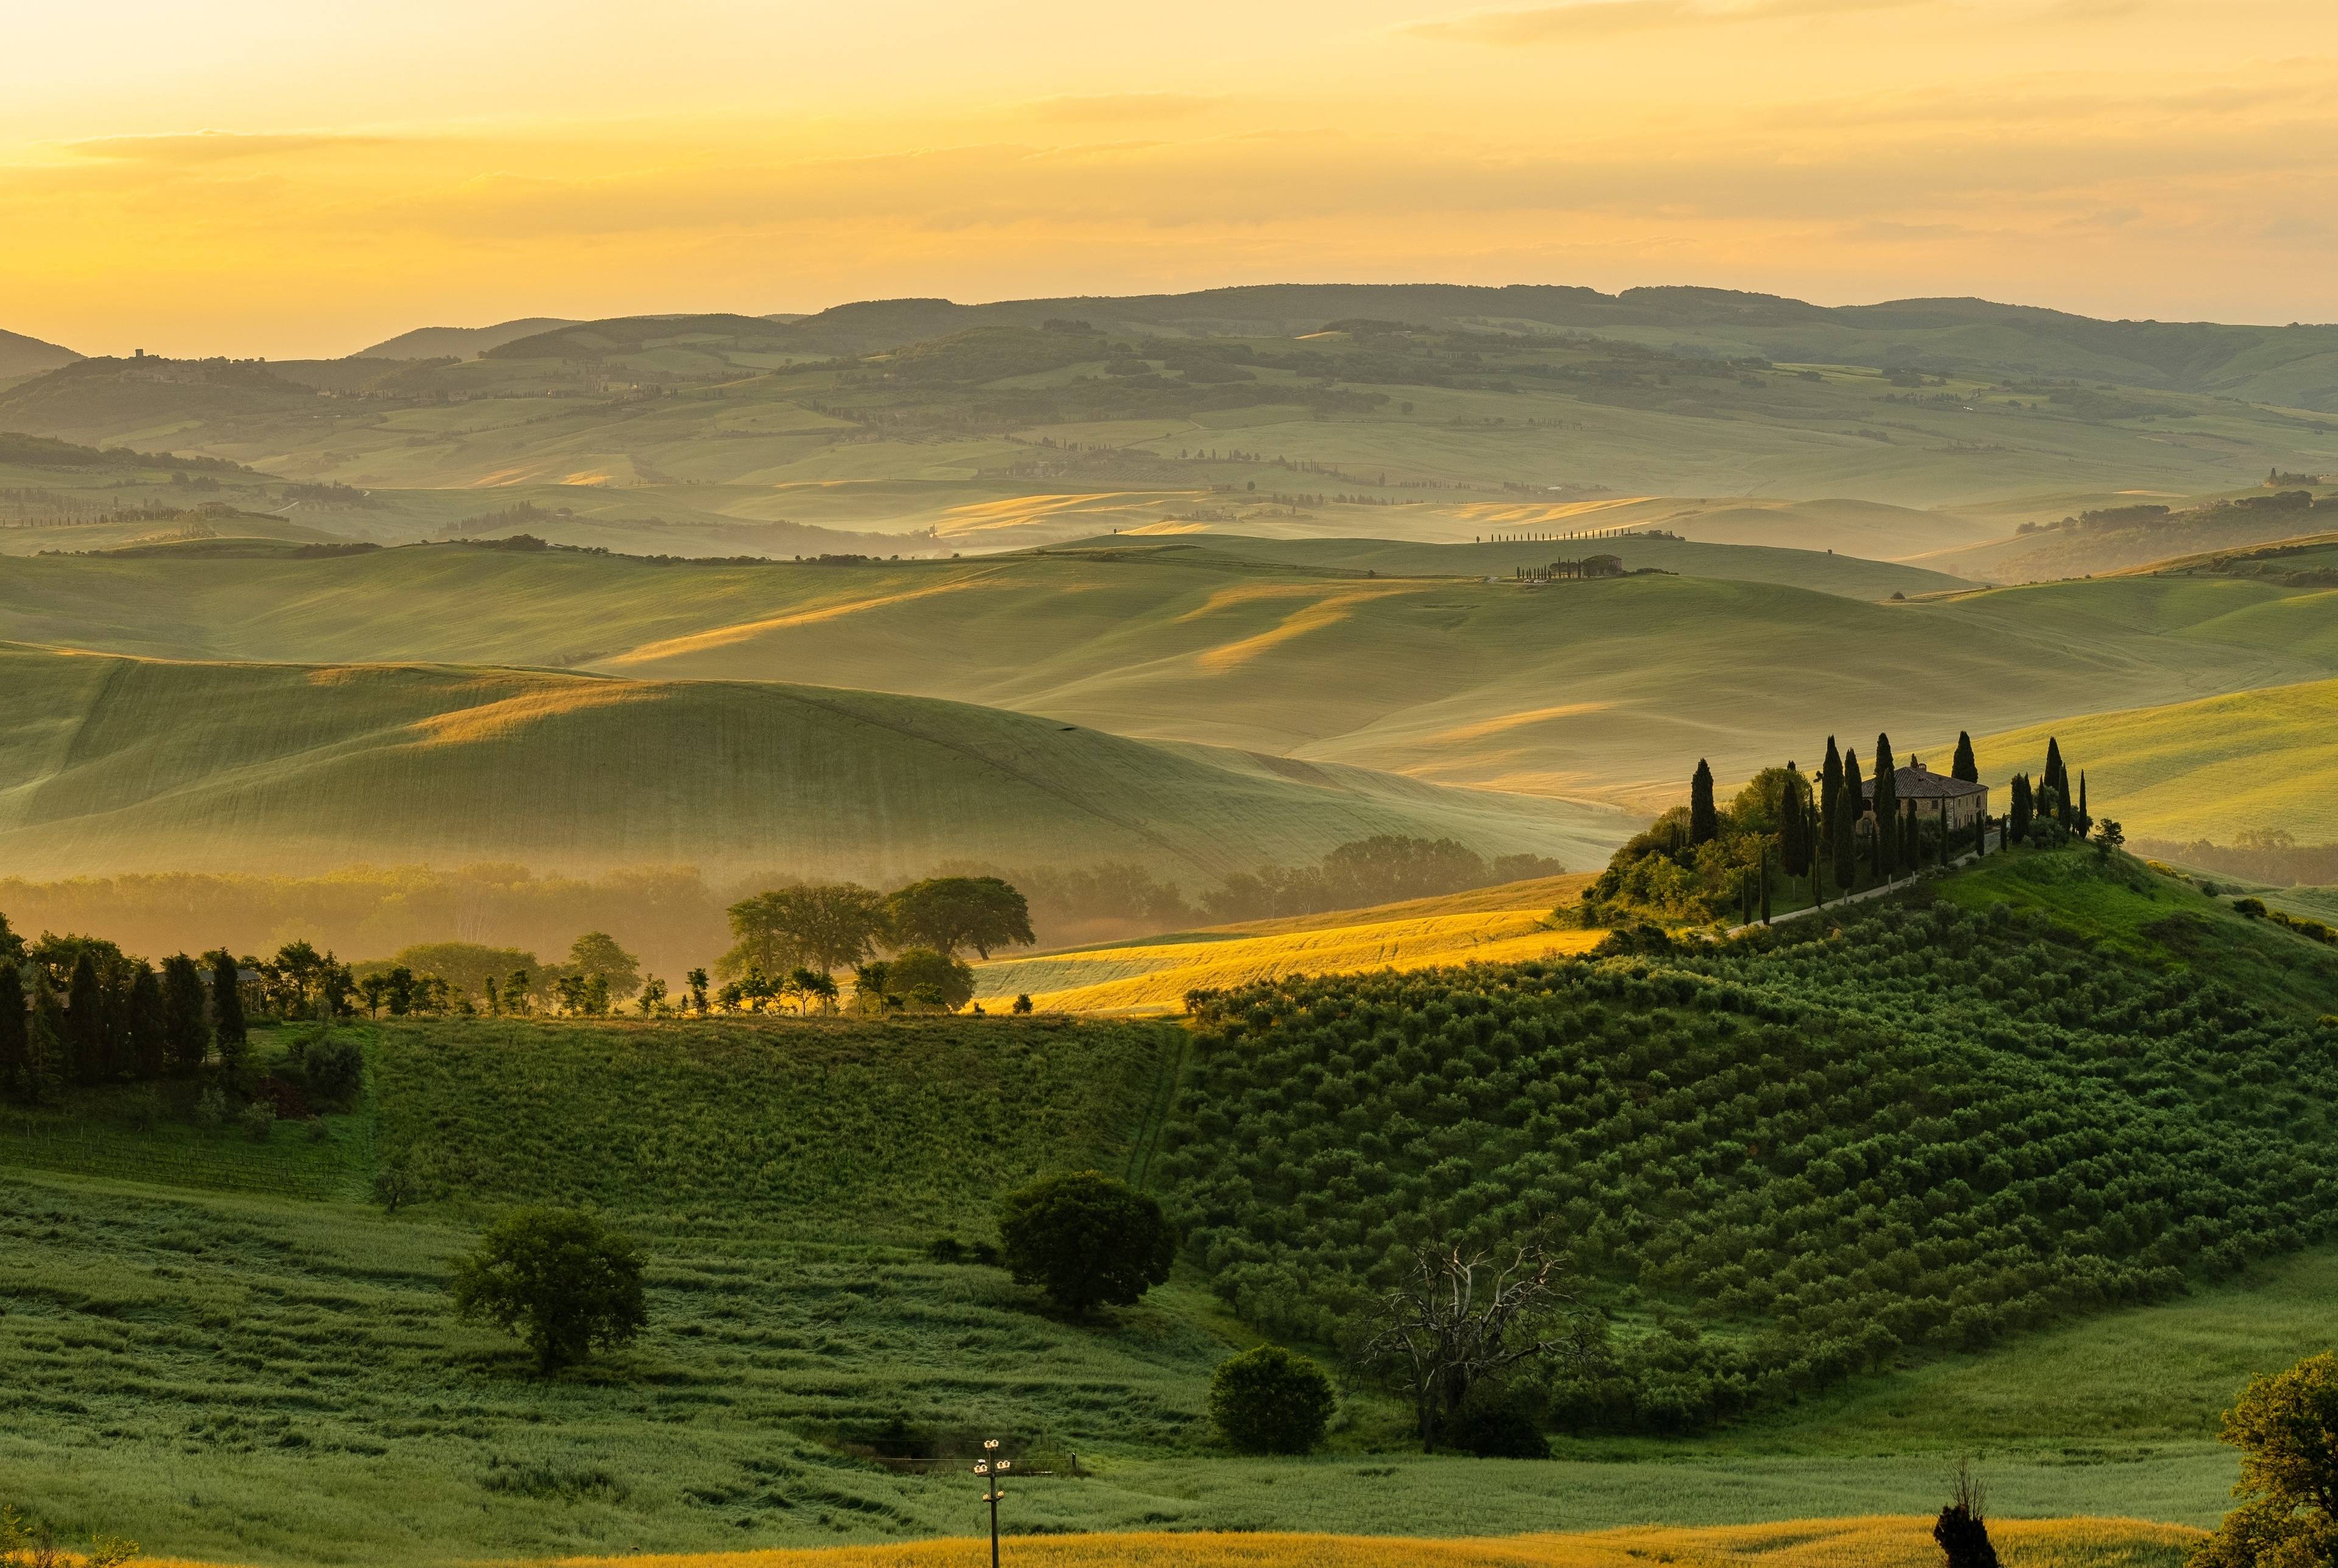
265,177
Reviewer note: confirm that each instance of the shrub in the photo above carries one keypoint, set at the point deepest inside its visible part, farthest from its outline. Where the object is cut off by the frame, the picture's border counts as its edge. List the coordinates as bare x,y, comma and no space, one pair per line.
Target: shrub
1495,1423
258,1120
559,1279
1086,1239
1269,1401
336,1071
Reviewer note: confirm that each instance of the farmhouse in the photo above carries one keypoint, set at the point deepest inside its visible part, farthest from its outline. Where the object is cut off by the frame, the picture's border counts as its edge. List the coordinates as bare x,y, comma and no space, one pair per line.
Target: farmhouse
1922,793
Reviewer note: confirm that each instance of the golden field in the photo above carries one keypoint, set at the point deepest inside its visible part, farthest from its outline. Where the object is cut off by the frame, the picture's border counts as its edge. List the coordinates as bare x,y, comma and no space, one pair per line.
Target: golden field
1500,925
1868,1543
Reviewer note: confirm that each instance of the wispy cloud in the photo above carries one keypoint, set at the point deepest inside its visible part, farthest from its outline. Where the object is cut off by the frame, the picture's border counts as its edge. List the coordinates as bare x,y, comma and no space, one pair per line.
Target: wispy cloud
189,147
1596,18
1112,108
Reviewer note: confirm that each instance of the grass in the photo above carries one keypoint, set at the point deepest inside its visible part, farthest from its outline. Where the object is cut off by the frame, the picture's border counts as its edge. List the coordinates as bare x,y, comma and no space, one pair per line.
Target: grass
1490,925
889,1130
119,764
2206,768
1605,690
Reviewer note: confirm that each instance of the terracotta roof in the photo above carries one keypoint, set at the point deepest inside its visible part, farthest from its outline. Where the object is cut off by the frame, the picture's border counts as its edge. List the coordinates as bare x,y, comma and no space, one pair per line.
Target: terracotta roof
1918,782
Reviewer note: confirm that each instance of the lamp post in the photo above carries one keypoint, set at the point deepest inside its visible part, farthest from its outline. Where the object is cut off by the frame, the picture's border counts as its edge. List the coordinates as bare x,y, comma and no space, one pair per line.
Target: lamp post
991,1468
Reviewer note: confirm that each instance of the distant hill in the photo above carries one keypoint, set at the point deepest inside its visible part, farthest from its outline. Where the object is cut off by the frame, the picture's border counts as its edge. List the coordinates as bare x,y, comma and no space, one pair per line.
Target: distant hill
462,342
23,356
2143,536
112,765
1610,690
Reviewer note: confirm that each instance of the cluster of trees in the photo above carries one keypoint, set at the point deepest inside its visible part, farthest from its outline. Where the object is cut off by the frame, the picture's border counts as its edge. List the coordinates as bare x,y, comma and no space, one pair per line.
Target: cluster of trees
1782,1187
1707,862
77,1012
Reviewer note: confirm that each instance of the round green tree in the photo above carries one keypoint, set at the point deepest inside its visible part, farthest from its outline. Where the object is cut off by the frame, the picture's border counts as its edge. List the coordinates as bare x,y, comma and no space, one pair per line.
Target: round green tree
1269,1401
2287,1429
560,1280
1086,1239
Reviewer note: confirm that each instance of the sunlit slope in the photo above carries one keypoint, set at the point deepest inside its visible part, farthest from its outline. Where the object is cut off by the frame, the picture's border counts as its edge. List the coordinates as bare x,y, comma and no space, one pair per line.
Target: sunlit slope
2204,769
1492,926
122,764
1573,688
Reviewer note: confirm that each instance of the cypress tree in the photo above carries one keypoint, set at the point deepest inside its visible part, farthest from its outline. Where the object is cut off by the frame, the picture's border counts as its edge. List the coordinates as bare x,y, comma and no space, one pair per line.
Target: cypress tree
227,1008
1704,820
145,1035
1887,811
1793,849
1846,824
15,1035
1980,835
1964,767
1765,876
2018,809
2085,818
186,1035
85,1022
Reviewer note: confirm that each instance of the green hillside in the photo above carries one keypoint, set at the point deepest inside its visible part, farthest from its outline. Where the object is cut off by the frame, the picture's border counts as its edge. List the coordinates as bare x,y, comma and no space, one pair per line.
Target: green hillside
2075,1186
1608,688
113,764
2213,768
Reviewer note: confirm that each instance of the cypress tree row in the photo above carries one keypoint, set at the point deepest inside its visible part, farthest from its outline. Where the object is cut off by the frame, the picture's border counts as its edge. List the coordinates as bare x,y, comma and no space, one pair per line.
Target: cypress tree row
1964,767
186,1033
1704,819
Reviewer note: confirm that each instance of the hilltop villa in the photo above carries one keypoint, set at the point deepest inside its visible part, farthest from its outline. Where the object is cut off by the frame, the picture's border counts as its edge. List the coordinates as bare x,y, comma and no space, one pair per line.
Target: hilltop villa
1923,793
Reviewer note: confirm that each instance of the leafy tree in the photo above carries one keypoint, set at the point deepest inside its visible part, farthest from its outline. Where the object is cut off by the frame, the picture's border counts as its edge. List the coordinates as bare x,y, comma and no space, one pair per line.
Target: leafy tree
653,996
597,956
17,1079
1704,820
1964,766
563,1282
697,981
470,968
1086,1239
824,926
872,986
1022,1006
1267,1400
948,913
146,1031
186,1032
2287,1429
2108,836
916,969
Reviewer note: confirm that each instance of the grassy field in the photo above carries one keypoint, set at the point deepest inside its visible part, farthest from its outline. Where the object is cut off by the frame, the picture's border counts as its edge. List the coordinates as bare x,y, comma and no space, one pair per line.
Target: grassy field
1604,689
2209,769
122,764
1492,926
233,1358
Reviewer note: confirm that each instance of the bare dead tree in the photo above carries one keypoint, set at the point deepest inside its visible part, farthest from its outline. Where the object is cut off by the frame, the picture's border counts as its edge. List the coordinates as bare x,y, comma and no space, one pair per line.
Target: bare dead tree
1463,1316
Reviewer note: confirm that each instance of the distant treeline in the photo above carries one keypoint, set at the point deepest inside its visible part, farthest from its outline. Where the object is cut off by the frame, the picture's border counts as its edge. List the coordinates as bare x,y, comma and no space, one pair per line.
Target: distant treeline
673,916
2118,519
2258,853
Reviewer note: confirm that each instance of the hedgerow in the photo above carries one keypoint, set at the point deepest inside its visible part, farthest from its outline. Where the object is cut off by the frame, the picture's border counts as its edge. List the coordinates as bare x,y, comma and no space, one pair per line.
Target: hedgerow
1778,1161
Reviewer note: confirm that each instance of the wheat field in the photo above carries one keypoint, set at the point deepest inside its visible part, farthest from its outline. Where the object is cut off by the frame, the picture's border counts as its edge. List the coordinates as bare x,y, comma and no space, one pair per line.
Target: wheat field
1491,926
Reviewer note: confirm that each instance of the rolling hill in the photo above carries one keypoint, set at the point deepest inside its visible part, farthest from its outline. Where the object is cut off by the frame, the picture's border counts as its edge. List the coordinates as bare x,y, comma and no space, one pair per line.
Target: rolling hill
463,342
23,356
1036,420
1609,688
113,764
1500,925
2213,768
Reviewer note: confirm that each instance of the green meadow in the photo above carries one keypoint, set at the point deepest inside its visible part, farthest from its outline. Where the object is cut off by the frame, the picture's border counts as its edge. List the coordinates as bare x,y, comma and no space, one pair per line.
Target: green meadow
228,1352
